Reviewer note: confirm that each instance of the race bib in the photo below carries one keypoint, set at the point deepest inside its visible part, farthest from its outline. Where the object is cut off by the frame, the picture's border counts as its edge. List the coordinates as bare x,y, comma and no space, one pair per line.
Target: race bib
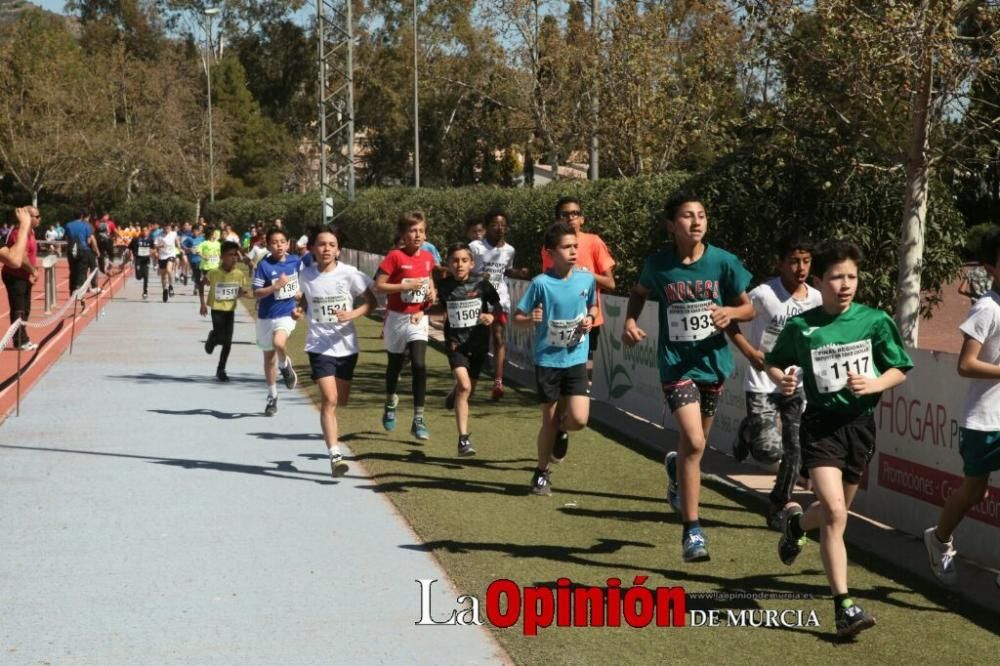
289,290
690,322
325,308
143,250
464,314
415,295
831,364
226,291
770,337
564,333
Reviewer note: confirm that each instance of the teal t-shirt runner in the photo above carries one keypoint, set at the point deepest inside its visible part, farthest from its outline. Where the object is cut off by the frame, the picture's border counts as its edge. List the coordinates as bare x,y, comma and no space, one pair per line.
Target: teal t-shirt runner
861,340
690,346
564,302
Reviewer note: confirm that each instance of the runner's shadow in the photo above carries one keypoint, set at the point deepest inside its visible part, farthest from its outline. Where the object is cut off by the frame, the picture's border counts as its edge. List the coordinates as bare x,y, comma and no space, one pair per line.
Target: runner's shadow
302,436
158,378
419,457
647,516
207,412
562,554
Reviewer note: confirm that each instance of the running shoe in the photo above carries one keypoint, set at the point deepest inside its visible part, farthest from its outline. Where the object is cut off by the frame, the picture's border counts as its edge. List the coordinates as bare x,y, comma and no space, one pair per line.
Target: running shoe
560,447
145,295
221,376
695,546
338,466
673,488
419,429
170,290
776,516
165,295
288,374
271,408
852,619
449,401
28,346
389,413
184,278
540,484
210,342
497,393
941,557
465,447
789,546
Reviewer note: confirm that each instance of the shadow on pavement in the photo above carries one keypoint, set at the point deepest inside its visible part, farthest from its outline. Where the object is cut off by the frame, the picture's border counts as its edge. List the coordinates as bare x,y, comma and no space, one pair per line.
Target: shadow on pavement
207,412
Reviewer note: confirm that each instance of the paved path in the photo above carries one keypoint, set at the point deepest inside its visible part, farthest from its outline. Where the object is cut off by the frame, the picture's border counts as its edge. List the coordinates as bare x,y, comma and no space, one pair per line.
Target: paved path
151,515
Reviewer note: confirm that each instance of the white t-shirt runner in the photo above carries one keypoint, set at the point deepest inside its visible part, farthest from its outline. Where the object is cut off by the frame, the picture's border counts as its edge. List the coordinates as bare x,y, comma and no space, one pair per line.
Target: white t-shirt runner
167,245
326,294
773,306
981,409
494,262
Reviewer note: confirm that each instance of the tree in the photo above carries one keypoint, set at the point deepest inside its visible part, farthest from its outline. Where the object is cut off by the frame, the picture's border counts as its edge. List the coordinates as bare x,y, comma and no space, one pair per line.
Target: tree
894,76
43,115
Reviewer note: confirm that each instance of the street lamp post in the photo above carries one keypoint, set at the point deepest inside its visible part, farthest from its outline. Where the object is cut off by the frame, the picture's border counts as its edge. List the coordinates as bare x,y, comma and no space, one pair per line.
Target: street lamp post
209,13
416,105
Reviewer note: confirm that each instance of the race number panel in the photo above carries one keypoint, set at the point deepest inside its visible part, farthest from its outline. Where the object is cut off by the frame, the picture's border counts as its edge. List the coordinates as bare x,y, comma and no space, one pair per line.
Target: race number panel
771,334
690,322
143,250
415,295
289,290
831,364
464,314
564,333
226,291
325,308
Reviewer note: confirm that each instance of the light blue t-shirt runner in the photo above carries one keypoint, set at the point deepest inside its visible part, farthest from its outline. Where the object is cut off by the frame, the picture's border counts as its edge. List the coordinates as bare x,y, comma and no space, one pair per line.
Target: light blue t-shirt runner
564,302
281,303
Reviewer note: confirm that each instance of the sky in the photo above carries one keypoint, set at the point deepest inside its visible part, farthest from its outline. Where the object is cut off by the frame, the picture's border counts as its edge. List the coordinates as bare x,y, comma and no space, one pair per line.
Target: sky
59,6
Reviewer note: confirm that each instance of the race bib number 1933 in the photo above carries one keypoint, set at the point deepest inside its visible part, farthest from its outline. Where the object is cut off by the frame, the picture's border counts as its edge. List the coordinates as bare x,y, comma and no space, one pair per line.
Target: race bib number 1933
690,322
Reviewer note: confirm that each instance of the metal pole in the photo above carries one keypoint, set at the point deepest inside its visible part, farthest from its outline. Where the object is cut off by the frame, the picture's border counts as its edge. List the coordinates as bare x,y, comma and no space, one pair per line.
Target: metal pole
416,105
50,288
350,101
595,105
322,109
211,145
17,400
72,332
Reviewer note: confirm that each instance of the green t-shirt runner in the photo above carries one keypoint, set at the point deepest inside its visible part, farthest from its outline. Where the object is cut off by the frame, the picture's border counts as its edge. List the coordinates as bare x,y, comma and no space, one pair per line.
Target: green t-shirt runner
689,345
211,254
861,340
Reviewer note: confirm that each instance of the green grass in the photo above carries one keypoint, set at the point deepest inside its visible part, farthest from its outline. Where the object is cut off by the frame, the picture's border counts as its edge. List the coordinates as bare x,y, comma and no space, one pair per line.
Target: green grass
607,518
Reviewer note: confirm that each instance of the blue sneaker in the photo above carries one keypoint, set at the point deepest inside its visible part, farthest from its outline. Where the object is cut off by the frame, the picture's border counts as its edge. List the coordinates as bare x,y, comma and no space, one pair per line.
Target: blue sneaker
695,546
419,428
673,490
389,413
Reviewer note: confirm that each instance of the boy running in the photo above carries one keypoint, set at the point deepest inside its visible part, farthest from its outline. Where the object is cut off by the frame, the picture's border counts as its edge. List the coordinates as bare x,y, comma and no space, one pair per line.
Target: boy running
210,250
329,290
167,246
405,275
561,304
468,301
701,289
275,284
142,248
979,436
848,354
225,285
493,257
775,302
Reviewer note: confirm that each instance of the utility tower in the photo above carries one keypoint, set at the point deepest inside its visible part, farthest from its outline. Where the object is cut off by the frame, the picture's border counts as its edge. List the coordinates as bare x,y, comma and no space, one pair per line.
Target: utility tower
335,35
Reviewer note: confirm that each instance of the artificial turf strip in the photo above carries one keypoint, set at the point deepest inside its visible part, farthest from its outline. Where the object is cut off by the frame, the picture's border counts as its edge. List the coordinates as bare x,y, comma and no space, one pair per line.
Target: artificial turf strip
607,518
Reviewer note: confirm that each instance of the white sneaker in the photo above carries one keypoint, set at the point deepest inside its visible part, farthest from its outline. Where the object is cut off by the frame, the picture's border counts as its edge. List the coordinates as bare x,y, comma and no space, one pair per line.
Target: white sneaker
28,346
941,557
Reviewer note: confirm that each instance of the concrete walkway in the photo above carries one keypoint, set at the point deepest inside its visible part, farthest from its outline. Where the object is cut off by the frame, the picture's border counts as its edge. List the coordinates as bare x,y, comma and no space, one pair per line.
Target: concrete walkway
151,515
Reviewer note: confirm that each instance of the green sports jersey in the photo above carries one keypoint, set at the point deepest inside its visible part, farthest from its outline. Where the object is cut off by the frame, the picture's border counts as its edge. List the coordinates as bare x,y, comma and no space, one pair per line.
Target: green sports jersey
690,346
211,252
861,340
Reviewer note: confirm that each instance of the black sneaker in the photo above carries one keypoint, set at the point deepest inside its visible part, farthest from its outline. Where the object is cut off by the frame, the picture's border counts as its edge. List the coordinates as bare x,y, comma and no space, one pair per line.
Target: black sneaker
271,408
221,376
540,484
789,546
852,619
465,447
210,342
164,295
560,447
170,290
289,375
449,401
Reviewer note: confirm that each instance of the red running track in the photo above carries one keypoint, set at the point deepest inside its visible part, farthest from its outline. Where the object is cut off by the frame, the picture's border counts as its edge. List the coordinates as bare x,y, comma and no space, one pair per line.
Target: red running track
53,340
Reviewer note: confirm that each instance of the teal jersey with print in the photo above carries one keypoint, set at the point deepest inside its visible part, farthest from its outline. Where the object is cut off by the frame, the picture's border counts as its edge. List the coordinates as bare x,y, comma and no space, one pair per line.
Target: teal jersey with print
689,345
